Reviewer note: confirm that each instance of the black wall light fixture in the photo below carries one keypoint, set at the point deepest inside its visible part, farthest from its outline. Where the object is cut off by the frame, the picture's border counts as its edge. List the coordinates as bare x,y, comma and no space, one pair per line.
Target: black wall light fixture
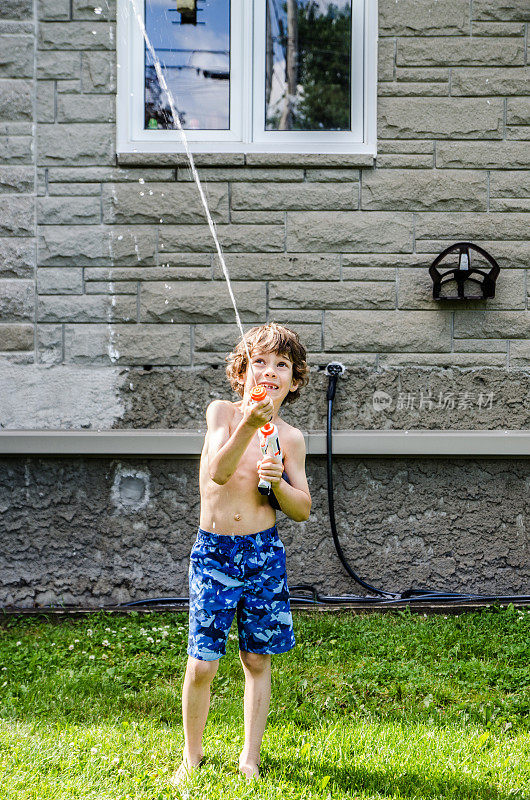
461,274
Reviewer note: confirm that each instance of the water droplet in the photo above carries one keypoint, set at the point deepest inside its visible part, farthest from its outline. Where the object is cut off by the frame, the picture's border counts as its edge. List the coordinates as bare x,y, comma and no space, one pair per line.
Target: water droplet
120,237
142,194
161,220
141,180
98,10
150,191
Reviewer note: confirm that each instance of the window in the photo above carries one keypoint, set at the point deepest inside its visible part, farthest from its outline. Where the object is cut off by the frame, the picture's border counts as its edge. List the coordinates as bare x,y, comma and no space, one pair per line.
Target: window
293,76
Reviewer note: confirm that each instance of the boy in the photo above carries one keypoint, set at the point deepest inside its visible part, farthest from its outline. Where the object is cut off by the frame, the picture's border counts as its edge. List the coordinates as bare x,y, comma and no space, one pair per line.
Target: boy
237,562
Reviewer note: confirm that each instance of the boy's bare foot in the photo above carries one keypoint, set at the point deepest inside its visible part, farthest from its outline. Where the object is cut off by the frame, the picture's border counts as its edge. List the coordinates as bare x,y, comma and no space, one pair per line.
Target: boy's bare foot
184,772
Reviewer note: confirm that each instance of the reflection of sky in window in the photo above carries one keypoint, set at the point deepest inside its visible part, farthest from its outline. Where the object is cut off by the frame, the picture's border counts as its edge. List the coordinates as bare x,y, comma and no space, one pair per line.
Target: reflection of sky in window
195,59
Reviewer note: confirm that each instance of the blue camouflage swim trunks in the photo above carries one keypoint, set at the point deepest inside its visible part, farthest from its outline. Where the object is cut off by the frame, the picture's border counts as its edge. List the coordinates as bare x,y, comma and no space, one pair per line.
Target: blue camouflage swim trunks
244,574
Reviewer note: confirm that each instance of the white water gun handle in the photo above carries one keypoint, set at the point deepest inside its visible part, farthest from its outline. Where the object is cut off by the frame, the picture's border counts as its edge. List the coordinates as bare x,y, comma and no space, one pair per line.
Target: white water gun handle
270,446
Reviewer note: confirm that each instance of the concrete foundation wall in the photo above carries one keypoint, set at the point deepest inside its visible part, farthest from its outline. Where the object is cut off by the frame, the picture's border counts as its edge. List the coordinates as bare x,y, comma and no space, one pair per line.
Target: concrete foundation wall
95,532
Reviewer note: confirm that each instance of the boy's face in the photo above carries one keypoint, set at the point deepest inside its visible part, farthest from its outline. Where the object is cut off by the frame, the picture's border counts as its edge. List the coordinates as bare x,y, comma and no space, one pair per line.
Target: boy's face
274,371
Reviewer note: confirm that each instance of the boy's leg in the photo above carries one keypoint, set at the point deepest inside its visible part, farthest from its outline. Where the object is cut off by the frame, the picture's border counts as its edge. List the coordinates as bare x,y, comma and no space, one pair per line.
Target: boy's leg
257,669
195,705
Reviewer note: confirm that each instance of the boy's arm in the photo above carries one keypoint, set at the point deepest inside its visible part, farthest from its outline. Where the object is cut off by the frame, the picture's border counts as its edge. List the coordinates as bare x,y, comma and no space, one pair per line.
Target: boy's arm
224,448
294,499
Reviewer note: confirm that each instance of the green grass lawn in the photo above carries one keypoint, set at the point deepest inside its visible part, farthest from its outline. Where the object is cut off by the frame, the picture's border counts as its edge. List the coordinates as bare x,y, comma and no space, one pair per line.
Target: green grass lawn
375,706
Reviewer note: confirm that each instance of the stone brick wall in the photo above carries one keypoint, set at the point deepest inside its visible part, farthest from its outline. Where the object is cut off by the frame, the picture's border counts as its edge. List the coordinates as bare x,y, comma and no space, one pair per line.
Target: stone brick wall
99,531
125,273
114,313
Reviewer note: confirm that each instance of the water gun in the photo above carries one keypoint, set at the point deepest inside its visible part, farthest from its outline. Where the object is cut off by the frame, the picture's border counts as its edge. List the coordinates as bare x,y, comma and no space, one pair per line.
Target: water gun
268,439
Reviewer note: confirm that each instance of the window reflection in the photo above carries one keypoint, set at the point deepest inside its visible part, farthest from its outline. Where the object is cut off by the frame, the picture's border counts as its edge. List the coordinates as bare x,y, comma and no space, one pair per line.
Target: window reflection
192,41
308,65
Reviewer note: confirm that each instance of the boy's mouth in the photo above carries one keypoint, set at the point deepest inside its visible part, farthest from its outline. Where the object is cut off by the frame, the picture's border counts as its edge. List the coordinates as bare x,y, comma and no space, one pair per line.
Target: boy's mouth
268,385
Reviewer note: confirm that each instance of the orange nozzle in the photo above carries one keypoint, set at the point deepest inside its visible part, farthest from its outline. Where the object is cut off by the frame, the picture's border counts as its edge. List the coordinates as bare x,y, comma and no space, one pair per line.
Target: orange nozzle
258,393
267,429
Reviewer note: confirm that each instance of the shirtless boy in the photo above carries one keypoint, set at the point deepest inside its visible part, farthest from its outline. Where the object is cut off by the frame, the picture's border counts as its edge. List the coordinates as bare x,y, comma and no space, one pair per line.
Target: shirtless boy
237,563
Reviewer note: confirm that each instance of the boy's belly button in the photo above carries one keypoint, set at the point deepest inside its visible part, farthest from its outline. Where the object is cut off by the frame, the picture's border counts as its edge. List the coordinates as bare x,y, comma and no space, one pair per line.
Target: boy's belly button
237,517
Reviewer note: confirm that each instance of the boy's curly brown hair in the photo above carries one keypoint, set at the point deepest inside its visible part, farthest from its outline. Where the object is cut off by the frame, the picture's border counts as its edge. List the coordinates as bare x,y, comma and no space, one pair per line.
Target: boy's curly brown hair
271,338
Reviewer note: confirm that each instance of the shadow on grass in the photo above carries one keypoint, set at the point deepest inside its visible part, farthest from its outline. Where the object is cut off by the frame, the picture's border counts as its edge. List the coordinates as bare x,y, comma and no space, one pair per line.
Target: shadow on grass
413,784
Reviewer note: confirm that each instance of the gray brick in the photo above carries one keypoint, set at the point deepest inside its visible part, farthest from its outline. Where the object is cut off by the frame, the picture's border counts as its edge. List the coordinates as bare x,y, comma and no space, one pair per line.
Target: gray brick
50,344
171,202
497,29
490,81
385,60
480,345
233,174
214,338
16,27
325,175
298,196
16,300
415,292
84,245
107,174
45,101
15,336
17,258
16,100
18,216
233,238
16,9
74,189
424,89
163,273
422,74
348,232
295,316
413,17
510,184
258,217
68,210
86,308
16,128
435,359
98,72
519,353
17,179
492,324
419,190
505,204
441,51
60,280
380,263
518,109
109,287
53,9
502,10
440,118
483,155
16,56
364,294
198,301
75,144
94,108
471,227
369,274
69,87
134,345
402,160
404,146
281,266
77,36
90,9
518,132
57,65
387,331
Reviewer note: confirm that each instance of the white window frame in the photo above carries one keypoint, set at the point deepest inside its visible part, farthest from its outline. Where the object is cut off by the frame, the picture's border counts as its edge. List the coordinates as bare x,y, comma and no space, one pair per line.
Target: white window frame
247,91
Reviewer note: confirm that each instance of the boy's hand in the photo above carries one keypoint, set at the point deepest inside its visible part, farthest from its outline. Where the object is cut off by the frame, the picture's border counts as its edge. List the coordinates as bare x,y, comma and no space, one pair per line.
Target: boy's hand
270,470
258,414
